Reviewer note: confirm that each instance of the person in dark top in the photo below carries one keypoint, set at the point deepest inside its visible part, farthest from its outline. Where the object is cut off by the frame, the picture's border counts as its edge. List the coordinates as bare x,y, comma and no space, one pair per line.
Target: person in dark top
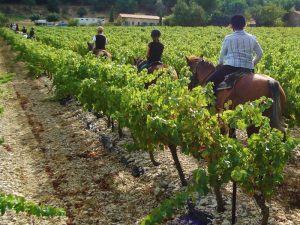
24,30
99,39
17,28
155,51
31,34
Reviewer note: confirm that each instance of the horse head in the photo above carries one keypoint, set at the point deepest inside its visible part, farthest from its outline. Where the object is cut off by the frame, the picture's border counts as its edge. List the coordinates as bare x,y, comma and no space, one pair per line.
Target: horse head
137,61
90,46
201,70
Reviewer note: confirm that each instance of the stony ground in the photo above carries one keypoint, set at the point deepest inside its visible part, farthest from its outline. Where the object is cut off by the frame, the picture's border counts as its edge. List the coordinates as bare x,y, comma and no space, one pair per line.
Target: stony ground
54,154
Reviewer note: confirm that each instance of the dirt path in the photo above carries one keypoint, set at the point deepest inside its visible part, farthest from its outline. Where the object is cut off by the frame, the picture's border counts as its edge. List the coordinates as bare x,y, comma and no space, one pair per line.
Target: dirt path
50,157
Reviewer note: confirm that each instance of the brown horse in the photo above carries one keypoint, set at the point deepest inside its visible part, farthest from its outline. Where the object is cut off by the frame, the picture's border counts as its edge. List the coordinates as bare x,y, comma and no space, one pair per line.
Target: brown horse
155,67
247,88
99,52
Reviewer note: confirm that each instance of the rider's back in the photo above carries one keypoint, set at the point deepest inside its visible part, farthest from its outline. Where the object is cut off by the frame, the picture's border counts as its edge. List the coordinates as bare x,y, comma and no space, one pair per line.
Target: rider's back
100,41
155,51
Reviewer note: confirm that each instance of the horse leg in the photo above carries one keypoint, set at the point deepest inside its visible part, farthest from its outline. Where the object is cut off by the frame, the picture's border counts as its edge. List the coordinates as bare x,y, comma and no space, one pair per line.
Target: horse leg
154,162
260,200
177,164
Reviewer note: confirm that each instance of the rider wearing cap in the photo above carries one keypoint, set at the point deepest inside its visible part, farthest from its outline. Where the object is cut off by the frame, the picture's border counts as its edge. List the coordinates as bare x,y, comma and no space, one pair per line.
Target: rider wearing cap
99,39
155,50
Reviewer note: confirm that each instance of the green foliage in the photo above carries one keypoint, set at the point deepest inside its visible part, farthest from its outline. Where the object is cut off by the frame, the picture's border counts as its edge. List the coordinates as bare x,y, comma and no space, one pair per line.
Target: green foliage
34,17
53,6
187,14
111,15
232,7
4,78
126,6
3,20
267,15
81,12
19,204
52,17
73,22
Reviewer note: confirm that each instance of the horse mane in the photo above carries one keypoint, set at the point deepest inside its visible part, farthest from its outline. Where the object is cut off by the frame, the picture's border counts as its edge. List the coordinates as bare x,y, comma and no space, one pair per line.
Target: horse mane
194,58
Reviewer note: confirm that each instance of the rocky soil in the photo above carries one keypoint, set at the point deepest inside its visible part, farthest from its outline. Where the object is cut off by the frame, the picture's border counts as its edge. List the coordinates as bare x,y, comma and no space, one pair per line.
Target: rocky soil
65,157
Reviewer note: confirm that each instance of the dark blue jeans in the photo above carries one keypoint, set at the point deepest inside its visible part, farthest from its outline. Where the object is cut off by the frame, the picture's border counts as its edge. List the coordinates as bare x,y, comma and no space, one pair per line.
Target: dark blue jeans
218,76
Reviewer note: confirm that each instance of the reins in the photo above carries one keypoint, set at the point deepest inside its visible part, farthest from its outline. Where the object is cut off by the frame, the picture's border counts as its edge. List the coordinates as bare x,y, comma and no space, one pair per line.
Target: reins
196,70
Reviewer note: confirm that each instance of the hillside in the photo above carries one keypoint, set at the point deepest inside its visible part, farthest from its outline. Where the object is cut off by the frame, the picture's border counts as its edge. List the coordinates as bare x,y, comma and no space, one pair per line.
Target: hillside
69,11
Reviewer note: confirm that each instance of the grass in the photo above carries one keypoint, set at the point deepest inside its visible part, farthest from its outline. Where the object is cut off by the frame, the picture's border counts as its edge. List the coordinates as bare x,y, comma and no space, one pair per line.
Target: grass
5,78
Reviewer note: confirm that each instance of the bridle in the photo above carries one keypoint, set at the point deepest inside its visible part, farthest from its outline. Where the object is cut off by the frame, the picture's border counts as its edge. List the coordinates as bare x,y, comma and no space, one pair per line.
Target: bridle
195,71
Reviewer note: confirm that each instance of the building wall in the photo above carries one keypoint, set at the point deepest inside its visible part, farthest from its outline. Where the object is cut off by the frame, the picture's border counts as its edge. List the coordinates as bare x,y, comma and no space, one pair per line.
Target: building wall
88,21
294,19
139,22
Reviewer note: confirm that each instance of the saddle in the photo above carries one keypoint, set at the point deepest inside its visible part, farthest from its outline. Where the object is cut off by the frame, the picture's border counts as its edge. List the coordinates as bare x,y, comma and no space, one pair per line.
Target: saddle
232,78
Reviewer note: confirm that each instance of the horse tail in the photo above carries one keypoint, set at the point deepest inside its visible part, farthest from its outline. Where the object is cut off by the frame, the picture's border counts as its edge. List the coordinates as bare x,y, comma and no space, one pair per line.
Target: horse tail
276,114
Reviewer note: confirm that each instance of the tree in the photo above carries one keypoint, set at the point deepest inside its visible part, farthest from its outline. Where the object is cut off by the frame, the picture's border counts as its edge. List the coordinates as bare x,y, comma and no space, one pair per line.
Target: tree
29,3
160,8
187,14
267,15
128,6
34,17
52,17
81,12
208,5
3,20
52,6
231,7
111,15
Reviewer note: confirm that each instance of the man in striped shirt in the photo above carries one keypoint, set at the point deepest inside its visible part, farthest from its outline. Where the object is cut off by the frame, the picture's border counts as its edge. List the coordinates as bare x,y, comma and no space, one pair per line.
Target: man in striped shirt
237,52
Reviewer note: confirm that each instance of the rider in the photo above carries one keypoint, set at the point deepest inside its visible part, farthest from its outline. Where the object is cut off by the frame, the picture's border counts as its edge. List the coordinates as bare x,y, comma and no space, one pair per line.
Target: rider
99,39
154,52
237,52
31,34
24,30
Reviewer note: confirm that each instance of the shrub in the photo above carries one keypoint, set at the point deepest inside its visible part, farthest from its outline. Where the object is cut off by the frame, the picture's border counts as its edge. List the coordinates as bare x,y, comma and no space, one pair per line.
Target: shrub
73,22
81,12
3,20
52,17
34,17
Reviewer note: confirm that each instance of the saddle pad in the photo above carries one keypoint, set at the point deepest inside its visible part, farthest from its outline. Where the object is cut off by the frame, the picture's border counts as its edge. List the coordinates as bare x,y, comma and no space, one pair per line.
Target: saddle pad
231,79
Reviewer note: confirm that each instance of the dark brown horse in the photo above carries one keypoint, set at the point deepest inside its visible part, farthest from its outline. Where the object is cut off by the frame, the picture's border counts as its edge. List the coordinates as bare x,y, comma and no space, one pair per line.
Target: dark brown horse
99,52
247,88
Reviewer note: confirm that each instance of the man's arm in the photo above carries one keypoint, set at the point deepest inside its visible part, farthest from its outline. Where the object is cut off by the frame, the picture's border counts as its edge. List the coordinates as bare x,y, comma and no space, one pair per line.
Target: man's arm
94,39
223,52
258,51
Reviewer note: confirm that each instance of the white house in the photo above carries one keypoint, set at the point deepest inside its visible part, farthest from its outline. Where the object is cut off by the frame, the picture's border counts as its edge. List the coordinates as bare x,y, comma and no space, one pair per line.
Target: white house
90,21
138,20
40,22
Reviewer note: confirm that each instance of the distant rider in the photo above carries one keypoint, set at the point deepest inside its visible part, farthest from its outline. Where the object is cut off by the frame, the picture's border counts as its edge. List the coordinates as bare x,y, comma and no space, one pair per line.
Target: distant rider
237,52
100,41
31,34
154,52
24,30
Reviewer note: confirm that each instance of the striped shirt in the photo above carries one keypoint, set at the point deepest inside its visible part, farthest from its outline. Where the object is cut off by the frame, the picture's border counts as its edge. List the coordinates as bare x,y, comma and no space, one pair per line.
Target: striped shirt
238,50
